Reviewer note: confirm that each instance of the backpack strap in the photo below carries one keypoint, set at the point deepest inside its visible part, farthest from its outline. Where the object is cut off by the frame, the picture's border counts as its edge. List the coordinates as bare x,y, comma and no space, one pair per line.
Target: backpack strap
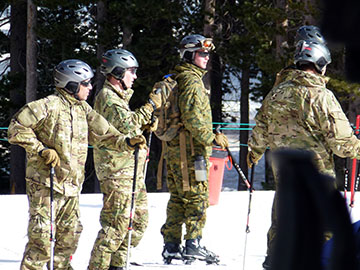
160,169
182,141
183,161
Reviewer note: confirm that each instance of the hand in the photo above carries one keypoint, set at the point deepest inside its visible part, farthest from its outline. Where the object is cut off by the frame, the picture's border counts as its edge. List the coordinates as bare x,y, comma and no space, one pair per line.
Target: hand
152,127
221,140
252,159
138,140
50,156
155,99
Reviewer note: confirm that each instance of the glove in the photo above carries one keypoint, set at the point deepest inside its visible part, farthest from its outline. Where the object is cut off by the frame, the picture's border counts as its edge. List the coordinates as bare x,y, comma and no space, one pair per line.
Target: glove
152,127
50,156
251,159
155,99
221,140
138,140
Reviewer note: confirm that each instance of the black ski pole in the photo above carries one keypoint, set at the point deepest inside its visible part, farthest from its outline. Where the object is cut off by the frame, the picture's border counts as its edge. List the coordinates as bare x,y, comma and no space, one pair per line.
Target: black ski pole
238,169
356,186
132,206
148,146
52,234
346,180
247,230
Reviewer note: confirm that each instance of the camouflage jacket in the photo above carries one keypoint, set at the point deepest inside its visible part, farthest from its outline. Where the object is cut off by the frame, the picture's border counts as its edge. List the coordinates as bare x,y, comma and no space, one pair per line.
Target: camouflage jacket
194,105
114,106
301,113
67,125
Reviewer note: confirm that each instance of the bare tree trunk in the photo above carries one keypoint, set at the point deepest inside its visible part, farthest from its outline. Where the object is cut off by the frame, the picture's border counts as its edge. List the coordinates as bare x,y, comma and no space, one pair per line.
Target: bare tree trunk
309,18
209,17
209,8
31,64
281,39
17,91
100,18
213,79
244,118
91,183
127,37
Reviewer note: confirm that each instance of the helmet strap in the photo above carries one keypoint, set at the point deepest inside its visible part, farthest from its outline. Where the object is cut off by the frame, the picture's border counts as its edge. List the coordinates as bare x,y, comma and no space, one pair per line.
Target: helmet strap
73,89
189,57
123,84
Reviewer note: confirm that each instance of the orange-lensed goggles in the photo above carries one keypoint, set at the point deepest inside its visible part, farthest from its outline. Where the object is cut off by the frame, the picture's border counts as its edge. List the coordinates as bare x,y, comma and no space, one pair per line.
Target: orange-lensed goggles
207,44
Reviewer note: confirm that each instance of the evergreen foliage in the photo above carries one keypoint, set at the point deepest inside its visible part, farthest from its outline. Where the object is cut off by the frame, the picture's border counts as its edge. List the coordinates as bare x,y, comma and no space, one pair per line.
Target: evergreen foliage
245,34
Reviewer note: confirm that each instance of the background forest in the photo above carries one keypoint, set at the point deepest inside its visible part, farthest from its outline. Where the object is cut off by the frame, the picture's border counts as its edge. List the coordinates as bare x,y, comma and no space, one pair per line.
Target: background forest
254,39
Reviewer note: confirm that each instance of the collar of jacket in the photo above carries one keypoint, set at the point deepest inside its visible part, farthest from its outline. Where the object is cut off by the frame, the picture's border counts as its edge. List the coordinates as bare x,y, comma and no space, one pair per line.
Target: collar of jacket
69,98
124,94
304,77
184,66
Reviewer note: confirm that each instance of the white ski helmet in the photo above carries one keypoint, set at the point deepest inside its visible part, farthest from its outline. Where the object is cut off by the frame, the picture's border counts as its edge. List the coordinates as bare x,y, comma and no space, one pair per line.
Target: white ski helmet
192,43
69,73
116,61
308,51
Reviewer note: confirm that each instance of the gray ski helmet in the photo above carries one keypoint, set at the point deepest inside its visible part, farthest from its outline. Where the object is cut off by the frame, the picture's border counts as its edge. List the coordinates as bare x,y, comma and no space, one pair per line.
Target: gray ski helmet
313,52
309,32
116,61
195,42
71,71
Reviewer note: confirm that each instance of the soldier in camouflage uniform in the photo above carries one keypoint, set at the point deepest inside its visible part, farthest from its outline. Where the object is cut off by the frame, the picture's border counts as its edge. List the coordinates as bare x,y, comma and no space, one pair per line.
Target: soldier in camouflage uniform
189,198
305,32
56,131
301,113
115,169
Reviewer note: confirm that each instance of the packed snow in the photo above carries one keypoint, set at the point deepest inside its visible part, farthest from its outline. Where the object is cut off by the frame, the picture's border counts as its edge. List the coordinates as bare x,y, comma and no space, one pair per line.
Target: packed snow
224,232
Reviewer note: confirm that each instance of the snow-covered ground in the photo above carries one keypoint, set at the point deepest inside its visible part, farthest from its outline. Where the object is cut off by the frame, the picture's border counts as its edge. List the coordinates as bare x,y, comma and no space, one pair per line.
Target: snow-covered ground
224,232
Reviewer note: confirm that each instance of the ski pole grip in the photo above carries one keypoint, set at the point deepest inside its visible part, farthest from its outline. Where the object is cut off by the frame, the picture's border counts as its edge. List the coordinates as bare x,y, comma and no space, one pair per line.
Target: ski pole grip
217,129
52,170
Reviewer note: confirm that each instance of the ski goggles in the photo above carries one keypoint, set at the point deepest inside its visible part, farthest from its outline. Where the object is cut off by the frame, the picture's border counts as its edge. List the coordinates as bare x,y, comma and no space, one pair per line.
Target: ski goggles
207,44
203,53
85,83
132,70
204,44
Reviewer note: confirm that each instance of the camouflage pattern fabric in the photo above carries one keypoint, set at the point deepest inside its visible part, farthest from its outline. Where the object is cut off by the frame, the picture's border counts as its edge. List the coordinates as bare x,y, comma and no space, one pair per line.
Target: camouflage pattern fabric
299,112
62,123
67,228
115,170
114,106
189,207
67,125
111,244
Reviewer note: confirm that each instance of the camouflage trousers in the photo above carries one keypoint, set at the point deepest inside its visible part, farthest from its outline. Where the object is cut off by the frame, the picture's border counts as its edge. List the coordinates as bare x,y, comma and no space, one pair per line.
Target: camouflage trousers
111,244
184,207
67,229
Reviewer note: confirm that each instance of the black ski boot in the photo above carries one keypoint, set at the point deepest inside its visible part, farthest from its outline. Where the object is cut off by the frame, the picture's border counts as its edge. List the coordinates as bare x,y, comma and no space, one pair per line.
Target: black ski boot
194,251
171,251
116,268
267,263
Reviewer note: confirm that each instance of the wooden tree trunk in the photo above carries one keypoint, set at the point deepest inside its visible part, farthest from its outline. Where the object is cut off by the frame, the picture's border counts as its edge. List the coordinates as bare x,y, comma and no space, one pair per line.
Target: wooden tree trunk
17,91
91,183
100,18
31,64
213,79
244,118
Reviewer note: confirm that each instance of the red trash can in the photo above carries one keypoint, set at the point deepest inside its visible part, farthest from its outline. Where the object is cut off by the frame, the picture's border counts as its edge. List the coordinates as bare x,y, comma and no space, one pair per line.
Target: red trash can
216,174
